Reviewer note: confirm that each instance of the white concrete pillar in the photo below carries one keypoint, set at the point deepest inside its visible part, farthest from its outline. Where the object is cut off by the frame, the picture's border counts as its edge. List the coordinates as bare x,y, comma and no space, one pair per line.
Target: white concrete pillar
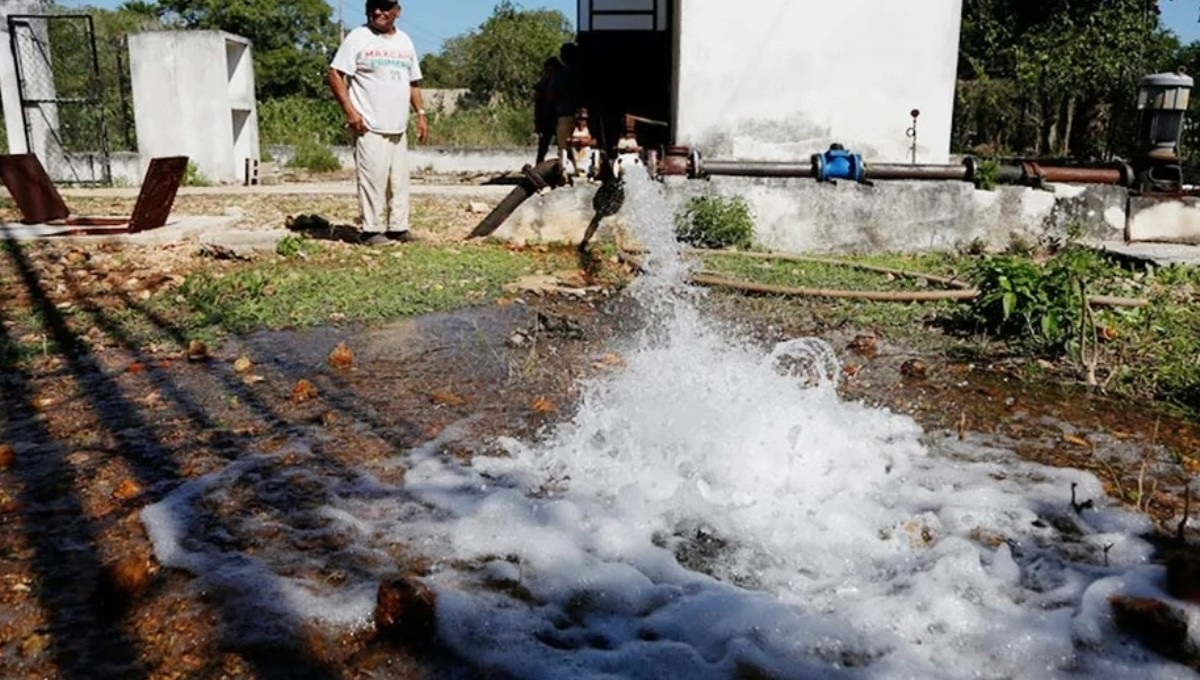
45,118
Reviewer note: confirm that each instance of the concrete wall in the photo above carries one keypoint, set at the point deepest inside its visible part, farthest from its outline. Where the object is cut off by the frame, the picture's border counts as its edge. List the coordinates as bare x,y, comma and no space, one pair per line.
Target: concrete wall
43,118
782,79
193,94
803,215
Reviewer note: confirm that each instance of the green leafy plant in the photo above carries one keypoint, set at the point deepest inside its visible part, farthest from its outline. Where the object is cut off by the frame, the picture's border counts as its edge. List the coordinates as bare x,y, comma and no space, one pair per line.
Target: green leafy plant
987,174
1043,305
716,222
192,177
315,157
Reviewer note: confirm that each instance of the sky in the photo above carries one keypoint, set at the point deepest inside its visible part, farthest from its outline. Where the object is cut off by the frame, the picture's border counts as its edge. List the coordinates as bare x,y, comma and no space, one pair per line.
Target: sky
429,22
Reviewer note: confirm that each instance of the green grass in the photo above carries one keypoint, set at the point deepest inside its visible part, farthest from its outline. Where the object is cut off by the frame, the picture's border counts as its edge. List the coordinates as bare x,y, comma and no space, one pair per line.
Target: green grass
362,286
1154,351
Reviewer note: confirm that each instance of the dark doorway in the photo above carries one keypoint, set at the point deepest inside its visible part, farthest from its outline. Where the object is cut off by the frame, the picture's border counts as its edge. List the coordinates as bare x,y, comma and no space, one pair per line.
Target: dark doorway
628,55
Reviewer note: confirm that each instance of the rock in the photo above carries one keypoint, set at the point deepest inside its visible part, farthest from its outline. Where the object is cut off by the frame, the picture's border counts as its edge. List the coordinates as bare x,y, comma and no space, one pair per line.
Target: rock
122,581
128,490
8,456
197,351
303,391
405,611
916,369
866,345
478,207
1157,625
445,398
1183,576
342,357
242,364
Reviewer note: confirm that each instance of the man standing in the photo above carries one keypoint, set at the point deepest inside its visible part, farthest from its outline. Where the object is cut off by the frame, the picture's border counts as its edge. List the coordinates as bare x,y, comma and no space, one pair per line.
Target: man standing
375,76
564,93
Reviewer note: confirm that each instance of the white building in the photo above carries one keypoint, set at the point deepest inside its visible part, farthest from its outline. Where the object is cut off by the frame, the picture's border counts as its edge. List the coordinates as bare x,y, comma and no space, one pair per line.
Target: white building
781,79
193,95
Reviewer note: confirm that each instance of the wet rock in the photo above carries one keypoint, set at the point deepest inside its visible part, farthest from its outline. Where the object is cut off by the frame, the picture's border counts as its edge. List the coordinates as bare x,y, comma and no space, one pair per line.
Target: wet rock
128,490
8,456
866,345
405,611
1157,625
543,405
342,357
1183,576
197,351
303,391
916,369
445,398
122,581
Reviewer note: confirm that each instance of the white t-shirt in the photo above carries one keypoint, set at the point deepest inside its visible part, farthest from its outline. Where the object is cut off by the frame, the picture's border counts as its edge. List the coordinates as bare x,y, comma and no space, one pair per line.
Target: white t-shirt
381,69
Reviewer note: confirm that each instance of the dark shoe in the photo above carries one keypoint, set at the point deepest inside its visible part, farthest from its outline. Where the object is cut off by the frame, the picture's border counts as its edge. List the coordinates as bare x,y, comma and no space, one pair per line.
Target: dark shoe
400,236
374,238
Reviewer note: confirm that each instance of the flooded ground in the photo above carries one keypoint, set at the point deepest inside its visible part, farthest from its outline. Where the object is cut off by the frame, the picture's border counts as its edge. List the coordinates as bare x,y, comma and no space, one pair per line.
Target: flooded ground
94,441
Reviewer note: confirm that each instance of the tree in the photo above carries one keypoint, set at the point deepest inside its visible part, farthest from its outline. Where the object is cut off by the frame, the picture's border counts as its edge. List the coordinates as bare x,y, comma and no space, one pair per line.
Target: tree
1056,76
502,59
294,40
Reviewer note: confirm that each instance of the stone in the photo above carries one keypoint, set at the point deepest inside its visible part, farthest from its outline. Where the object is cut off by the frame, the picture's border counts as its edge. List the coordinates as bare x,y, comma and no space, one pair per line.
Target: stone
406,611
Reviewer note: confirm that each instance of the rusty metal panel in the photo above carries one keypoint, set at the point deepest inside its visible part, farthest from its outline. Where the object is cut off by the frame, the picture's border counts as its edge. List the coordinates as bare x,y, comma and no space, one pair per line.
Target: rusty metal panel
31,189
157,196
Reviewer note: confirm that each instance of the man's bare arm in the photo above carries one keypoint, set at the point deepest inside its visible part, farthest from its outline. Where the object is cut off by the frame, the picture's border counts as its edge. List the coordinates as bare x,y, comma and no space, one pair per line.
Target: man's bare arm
418,103
337,83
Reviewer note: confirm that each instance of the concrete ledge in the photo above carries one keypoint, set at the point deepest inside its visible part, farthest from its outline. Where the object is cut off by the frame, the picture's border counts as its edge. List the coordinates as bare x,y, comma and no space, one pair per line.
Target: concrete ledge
1156,219
178,228
804,215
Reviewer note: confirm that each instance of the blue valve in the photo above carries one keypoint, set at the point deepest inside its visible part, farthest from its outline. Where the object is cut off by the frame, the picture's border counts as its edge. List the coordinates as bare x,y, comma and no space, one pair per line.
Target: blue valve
838,163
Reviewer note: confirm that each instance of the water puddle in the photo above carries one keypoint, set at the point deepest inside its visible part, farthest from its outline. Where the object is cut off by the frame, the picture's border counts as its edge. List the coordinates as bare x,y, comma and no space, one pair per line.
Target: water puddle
710,511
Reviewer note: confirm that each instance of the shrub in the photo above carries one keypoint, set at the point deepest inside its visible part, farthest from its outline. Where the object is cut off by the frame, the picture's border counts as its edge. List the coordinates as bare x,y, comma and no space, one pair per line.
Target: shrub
292,120
716,222
315,157
192,177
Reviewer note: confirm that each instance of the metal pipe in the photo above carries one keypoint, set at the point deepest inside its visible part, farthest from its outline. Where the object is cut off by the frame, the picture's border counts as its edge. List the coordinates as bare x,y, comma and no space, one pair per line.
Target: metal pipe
906,171
1075,175
543,175
756,169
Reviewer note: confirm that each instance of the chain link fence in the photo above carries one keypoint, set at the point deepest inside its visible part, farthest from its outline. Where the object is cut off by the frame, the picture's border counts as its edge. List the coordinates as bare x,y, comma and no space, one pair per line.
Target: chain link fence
74,96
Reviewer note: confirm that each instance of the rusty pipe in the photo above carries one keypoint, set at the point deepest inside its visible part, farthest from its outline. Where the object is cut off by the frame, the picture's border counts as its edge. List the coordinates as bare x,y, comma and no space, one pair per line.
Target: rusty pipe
547,174
1036,173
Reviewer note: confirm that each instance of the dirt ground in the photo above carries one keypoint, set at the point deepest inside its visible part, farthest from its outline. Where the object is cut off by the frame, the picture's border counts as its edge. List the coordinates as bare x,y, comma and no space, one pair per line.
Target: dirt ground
88,441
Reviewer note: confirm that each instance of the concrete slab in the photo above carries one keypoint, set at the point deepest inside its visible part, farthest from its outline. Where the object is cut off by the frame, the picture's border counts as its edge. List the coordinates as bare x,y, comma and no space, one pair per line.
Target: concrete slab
1157,254
1163,219
177,229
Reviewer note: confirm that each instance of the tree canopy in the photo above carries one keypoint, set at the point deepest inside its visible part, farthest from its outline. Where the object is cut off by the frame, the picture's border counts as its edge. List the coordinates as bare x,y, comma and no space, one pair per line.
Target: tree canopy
1056,76
503,57
293,39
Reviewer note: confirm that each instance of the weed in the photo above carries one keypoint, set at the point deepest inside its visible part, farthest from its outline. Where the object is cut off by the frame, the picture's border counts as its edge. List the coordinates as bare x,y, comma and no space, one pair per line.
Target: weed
290,246
716,222
315,157
192,177
987,174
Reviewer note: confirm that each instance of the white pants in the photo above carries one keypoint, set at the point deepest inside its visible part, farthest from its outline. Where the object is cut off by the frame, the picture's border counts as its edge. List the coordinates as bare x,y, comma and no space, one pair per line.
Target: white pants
383,181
